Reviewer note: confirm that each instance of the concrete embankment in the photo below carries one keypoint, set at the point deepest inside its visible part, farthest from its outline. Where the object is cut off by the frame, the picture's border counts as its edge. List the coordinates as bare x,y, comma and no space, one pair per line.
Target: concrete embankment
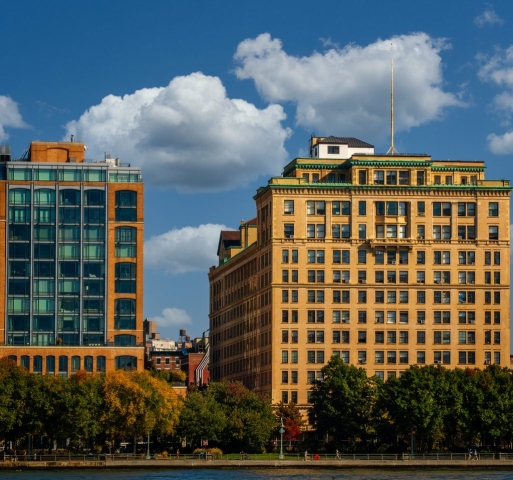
258,464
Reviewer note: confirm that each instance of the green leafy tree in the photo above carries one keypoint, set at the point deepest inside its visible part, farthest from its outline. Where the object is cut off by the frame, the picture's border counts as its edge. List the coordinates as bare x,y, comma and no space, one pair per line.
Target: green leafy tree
343,402
201,417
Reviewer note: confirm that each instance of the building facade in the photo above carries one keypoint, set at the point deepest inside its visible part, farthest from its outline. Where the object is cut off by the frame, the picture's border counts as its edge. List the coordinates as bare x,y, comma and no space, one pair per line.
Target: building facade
71,233
384,260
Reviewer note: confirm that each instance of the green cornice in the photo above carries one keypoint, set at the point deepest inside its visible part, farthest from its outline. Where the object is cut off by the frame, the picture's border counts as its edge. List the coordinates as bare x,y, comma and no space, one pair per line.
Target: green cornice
445,168
350,186
390,163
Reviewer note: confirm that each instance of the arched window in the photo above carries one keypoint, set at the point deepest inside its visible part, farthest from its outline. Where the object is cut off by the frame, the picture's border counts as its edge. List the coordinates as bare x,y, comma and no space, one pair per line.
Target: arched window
124,340
126,206
38,364
63,366
126,242
50,365
100,364
94,198
13,358
126,363
124,314
75,364
125,274
88,364
25,361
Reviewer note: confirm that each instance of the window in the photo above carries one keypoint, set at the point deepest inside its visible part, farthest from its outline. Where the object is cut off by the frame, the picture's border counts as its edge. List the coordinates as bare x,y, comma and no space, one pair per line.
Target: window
379,357
288,230
379,337
333,149
362,231
315,207
126,206
124,340
125,278
362,177
362,256
441,209
294,256
421,208
466,209
362,207
404,177
126,363
421,296
421,258
288,207
421,317
493,209
421,337
493,232
379,177
391,357
124,314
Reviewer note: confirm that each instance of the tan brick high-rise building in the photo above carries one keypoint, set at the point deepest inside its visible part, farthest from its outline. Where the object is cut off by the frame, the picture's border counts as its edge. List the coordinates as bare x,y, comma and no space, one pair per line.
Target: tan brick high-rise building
71,233
384,260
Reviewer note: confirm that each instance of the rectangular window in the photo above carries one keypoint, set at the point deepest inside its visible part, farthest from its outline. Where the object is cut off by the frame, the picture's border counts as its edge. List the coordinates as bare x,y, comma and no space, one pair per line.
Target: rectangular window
288,207
333,149
493,209
362,207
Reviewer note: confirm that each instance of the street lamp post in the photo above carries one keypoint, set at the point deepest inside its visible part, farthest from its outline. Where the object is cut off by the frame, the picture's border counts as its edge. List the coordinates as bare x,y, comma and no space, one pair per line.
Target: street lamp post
148,457
282,431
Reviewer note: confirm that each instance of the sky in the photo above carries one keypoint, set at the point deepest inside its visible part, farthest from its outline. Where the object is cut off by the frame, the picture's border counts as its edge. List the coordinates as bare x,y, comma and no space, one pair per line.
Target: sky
212,98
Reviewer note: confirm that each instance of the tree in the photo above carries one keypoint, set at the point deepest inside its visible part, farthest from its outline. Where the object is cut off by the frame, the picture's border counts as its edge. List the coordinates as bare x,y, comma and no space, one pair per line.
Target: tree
343,401
201,416
250,417
292,420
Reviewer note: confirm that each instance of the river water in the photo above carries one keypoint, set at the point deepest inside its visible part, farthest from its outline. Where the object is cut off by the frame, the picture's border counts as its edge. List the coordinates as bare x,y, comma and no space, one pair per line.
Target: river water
257,474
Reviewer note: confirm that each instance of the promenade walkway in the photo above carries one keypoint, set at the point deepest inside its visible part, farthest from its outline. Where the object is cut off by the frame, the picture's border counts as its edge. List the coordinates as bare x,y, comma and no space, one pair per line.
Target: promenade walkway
445,461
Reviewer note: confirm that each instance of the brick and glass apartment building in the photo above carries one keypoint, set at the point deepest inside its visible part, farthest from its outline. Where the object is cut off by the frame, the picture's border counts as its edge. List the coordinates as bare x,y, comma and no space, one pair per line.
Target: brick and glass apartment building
71,233
384,260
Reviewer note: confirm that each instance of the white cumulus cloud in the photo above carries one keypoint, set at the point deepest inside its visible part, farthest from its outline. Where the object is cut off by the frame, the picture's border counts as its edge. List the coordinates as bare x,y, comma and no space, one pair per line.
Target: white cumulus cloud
189,135
173,317
488,17
497,69
345,91
10,116
183,250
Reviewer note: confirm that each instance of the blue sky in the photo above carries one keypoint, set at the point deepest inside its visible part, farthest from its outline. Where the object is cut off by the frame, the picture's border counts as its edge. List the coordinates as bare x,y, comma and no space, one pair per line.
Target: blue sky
212,98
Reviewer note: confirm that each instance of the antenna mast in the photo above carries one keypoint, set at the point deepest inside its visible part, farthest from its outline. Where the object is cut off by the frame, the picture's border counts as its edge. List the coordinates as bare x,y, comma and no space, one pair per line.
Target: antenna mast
392,149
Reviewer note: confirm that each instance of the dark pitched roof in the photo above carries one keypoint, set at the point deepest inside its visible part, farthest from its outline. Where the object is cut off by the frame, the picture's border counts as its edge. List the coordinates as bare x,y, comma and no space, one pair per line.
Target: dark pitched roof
228,238
253,221
349,141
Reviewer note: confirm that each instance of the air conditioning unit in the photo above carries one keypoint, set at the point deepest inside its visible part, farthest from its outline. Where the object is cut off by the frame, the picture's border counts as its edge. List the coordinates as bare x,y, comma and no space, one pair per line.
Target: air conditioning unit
437,281
487,362
362,281
362,362
420,237
438,362
421,322
421,214
344,280
289,236
472,282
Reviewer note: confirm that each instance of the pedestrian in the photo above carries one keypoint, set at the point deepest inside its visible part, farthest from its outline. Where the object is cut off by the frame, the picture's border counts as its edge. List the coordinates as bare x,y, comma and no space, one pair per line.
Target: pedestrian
469,452
306,455
475,454
337,456
178,453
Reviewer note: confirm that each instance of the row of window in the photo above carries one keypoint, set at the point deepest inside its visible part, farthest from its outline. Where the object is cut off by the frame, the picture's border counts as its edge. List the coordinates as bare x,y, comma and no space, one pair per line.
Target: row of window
442,357
440,232
76,363
392,256
440,209
390,296
64,174
391,336
125,239
390,276
391,316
